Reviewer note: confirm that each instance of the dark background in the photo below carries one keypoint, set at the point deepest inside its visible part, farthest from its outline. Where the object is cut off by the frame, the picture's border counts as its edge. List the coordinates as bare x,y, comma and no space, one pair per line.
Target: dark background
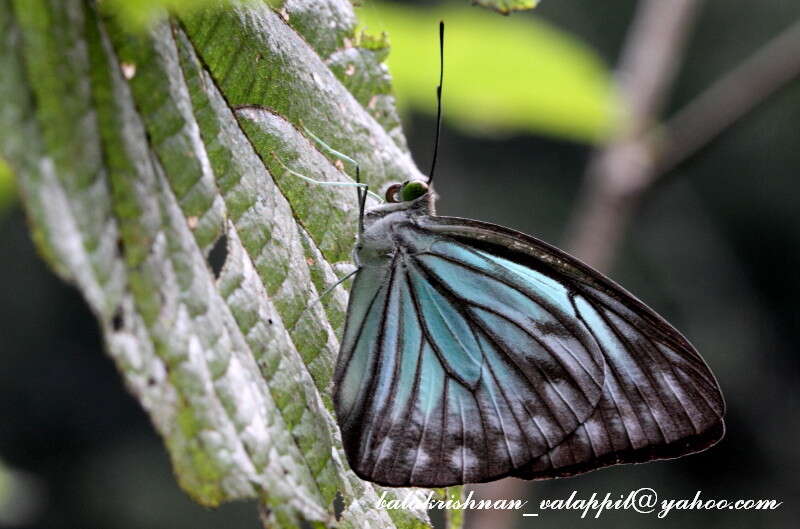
714,248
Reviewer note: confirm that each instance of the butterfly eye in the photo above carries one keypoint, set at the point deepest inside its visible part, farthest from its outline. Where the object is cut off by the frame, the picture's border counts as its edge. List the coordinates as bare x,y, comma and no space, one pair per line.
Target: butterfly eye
413,190
392,193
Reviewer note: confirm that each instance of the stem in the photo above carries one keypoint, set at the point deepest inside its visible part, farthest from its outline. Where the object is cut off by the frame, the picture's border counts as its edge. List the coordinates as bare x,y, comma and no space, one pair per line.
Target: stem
618,174
731,97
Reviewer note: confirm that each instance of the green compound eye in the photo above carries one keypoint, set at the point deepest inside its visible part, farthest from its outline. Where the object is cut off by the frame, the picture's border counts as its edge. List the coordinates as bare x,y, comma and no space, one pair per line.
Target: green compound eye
413,190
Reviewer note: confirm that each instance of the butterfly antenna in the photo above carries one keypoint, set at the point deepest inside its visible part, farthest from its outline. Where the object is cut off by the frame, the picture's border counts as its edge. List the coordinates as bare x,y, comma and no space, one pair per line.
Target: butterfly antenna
362,190
362,201
438,102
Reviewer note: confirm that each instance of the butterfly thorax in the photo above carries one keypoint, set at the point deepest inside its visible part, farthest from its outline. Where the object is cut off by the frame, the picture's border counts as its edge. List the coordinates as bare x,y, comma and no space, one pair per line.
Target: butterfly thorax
379,243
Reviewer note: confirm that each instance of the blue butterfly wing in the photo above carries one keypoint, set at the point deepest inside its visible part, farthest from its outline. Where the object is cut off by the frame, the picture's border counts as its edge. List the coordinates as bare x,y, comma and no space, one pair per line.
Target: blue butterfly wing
659,401
447,375
475,352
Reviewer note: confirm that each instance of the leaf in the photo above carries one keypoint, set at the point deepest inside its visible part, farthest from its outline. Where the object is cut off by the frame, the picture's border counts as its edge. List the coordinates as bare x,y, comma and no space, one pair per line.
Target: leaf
6,186
502,75
507,6
137,153
139,14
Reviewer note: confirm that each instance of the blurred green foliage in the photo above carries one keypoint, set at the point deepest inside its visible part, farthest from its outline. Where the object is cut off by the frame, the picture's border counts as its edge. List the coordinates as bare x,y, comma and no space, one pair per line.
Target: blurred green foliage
7,188
550,82
20,496
515,74
139,13
507,6
5,482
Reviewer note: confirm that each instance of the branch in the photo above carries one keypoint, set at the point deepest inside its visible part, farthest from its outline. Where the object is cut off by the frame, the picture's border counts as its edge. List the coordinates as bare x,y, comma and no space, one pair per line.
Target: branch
617,174
730,98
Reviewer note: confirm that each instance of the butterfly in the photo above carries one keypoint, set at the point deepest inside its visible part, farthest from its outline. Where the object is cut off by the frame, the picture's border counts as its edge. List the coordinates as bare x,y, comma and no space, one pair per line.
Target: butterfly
472,352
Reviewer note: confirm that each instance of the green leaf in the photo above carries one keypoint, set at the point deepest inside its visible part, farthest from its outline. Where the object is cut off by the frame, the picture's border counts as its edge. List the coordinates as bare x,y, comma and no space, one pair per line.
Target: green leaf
138,14
454,517
502,75
137,153
7,186
507,6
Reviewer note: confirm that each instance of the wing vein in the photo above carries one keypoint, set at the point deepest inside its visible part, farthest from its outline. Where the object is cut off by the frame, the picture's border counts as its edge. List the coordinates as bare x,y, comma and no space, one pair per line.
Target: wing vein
503,280
382,430
463,441
502,347
554,314
414,391
631,349
378,355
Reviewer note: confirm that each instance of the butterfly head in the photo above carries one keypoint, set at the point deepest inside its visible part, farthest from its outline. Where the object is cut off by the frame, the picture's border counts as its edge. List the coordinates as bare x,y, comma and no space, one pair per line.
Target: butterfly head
408,191
412,198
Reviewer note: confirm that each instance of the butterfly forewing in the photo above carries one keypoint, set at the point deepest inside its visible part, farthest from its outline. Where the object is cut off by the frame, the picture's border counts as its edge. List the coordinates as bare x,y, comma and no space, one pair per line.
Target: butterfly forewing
460,366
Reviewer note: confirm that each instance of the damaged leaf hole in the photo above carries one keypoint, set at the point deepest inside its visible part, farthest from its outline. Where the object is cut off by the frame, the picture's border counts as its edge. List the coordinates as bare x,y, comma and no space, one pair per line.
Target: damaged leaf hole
118,320
218,255
338,505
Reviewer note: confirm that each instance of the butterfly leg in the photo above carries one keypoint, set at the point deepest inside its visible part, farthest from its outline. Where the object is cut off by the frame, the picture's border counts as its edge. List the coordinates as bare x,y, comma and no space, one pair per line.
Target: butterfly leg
339,282
327,291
